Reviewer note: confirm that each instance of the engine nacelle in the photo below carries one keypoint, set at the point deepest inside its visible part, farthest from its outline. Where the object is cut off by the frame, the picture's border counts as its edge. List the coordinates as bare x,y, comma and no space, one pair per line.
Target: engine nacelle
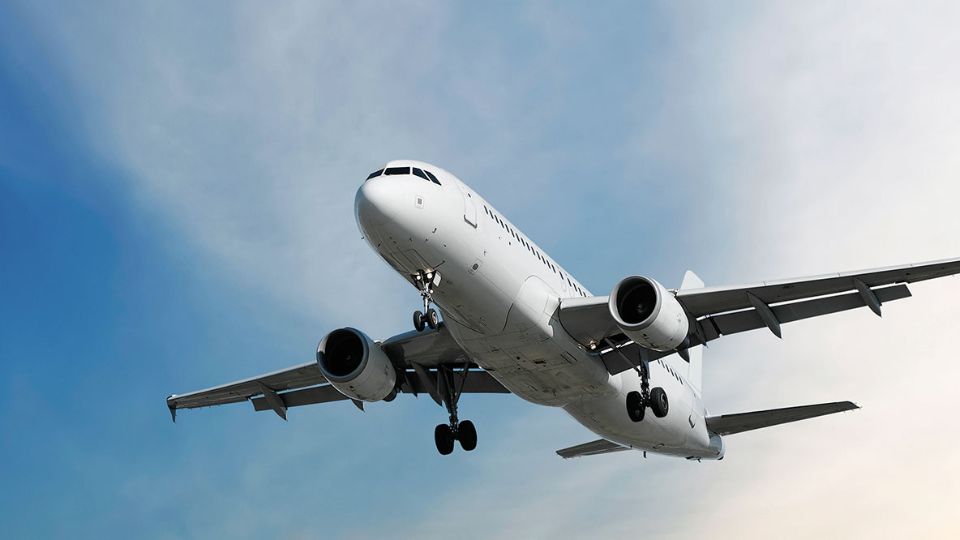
356,366
649,314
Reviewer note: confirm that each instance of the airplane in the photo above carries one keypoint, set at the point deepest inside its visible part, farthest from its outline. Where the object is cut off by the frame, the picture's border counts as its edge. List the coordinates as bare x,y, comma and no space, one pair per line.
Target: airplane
515,321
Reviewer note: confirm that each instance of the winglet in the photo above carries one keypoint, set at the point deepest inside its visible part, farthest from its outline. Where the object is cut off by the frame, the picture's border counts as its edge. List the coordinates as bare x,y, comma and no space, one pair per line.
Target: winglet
172,407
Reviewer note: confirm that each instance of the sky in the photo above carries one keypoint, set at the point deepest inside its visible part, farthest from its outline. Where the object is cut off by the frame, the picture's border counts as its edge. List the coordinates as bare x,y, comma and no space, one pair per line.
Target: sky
176,211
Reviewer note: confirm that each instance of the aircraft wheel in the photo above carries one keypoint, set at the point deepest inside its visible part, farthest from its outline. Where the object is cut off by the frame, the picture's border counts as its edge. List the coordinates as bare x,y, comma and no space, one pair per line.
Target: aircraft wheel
443,436
418,320
432,318
659,402
635,406
467,435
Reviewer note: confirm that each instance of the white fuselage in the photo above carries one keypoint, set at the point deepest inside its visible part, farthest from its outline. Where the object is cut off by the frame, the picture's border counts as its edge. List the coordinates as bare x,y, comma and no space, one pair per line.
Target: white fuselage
499,295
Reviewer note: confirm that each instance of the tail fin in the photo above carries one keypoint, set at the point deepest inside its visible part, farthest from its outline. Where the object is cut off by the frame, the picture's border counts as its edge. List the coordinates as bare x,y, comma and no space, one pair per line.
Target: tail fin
695,367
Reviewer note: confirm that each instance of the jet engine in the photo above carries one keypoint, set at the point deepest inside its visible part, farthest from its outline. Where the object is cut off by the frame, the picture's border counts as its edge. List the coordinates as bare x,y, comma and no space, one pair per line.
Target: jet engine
649,314
356,366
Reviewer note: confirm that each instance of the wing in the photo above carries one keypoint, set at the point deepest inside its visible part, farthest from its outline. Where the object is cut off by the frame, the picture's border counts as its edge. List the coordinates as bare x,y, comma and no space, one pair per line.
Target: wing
300,376
712,300
431,362
593,448
728,424
719,311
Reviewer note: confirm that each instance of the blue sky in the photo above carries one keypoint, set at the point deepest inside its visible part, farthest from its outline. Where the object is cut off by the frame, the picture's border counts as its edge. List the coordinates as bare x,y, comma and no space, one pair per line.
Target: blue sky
176,211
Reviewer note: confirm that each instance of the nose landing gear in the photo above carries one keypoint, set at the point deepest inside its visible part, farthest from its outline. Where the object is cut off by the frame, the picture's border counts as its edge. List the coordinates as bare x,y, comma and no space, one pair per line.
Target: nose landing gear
426,281
656,399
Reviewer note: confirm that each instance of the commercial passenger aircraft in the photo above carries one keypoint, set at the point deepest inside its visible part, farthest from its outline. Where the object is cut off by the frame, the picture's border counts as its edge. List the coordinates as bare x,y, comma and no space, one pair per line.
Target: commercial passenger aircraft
514,321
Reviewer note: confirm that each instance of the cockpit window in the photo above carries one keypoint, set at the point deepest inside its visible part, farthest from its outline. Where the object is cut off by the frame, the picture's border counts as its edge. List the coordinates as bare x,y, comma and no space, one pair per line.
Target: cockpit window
375,174
419,173
432,177
390,171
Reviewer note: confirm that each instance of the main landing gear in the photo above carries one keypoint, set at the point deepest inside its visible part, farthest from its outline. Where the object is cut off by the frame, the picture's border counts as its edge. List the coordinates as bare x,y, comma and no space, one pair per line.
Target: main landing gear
464,431
426,280
656,399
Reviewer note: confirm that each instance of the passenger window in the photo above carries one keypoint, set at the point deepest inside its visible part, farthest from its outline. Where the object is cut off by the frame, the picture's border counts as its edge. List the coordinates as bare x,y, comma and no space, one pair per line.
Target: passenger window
419,173
375,174
432,177
391,171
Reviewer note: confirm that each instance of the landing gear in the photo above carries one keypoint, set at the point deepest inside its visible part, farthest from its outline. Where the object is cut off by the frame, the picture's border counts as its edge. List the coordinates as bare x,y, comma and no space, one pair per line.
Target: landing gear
426,281
444,438
467,435
444,435
659,402
656,399
635,406
418,320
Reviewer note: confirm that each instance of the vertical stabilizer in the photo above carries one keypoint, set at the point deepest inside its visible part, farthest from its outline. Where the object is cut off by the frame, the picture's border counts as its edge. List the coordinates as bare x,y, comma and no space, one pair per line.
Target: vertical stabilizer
695,368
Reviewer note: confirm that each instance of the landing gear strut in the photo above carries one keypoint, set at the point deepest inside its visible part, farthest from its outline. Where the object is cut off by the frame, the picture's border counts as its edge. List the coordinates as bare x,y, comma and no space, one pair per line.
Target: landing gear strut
464,431
656,399
426,280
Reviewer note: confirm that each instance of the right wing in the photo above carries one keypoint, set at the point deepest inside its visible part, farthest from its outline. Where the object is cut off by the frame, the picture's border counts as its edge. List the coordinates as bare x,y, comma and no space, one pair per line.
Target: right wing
728,424
292,378
427,361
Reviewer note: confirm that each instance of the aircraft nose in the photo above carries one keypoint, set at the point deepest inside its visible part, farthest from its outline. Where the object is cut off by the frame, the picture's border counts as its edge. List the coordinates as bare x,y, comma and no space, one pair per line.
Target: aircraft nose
373,202
384,201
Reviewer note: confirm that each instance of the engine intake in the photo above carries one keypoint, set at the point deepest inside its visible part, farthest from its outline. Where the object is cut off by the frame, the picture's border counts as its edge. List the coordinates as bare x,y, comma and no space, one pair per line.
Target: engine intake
649,314
356,366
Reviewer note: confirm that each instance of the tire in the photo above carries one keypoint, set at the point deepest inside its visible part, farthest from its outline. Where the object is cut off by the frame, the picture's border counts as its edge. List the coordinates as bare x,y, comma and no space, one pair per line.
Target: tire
467,434
443,436
418,320
659,402
635,406
433,320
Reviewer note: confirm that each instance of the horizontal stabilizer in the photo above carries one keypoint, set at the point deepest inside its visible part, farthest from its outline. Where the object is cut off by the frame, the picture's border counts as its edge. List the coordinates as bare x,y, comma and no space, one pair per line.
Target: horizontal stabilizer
599,446
729,424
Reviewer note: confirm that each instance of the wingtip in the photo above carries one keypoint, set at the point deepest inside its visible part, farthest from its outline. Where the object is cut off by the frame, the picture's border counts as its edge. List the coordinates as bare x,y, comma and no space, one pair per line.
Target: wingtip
173,410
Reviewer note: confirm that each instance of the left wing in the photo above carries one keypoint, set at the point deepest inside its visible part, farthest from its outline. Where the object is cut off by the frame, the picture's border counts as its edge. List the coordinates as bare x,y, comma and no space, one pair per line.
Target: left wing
718,311
427,363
